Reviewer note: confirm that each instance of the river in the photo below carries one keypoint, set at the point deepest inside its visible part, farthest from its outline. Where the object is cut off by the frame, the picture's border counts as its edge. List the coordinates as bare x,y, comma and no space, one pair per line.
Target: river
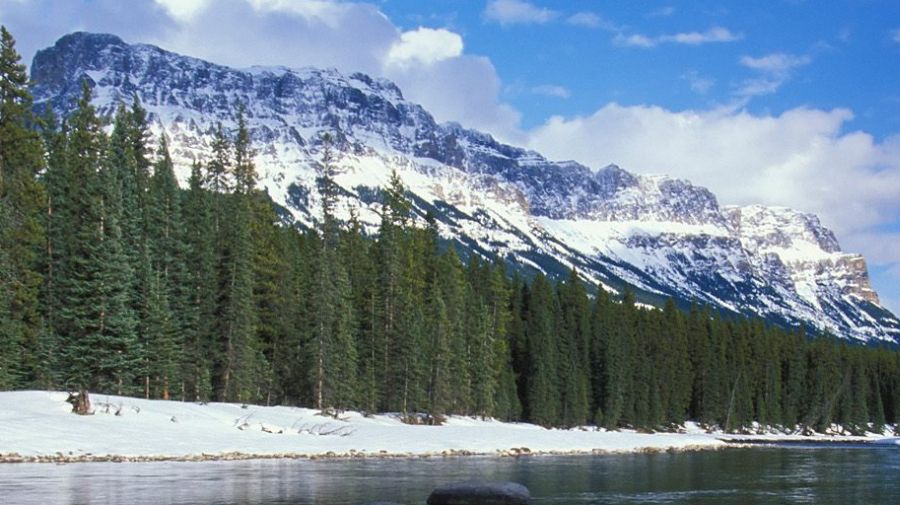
758,475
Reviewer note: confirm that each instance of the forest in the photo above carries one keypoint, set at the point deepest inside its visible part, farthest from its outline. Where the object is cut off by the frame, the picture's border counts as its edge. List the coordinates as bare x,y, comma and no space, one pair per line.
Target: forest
115,279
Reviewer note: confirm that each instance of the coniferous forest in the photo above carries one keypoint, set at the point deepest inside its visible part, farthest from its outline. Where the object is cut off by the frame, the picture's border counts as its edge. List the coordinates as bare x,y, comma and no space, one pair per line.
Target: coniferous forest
117,280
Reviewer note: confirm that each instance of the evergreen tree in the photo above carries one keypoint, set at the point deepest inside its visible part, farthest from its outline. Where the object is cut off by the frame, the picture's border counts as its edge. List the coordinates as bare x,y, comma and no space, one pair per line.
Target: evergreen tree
618,379
201,290
334,364
506,401
393,235
22,234
574,350
356,253
455,379
542,389
241,368
675,364
169,292
100,349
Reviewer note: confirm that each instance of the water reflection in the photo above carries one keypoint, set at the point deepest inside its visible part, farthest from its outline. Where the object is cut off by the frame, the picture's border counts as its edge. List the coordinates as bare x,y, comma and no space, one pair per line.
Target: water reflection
760,475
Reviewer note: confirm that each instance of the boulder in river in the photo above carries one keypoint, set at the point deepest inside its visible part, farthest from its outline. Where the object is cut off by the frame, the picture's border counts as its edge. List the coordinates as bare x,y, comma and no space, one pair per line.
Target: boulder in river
480,493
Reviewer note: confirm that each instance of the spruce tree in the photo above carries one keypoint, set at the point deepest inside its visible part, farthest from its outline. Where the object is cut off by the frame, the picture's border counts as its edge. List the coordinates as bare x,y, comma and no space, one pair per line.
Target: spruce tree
392,241
574,337
22,235
456,378
506,401
619,363
202,290
242,366
542,388
55,180
168,292
334,364
97,325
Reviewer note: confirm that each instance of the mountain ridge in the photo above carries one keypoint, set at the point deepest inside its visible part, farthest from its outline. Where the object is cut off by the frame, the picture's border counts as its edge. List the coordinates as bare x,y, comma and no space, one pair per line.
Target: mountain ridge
664,236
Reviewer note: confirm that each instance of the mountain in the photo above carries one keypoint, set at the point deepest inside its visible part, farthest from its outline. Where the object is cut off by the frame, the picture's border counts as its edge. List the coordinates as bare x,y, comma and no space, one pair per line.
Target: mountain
664,237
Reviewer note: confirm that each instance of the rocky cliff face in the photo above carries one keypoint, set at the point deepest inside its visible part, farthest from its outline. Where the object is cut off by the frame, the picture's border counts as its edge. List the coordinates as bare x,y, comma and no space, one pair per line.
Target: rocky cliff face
665,237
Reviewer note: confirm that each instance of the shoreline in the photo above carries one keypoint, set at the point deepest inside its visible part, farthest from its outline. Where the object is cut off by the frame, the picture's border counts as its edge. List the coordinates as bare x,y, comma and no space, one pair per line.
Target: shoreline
62,459
38,427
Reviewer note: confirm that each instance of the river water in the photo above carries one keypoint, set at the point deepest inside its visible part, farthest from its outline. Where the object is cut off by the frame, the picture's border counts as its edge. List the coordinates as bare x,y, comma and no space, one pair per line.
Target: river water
758,475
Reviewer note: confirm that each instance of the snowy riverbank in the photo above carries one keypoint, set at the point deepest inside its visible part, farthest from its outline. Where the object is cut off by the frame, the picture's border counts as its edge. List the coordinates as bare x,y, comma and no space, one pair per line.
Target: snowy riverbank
39,426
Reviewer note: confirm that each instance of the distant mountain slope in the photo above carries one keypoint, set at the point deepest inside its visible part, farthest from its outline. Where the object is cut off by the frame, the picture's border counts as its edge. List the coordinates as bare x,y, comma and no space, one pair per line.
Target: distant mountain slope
663,236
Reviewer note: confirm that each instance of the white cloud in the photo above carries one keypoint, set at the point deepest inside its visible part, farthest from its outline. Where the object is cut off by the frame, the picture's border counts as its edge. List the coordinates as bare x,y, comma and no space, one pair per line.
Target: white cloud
758,87
699,84
552,90
587,19
634,40
716,34
775,63
896,35
775,69
425,45
183,9
463,89
510,12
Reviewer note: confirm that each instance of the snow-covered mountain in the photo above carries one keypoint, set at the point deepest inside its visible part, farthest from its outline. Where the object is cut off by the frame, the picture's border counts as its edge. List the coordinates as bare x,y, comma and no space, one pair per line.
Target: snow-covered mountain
663,236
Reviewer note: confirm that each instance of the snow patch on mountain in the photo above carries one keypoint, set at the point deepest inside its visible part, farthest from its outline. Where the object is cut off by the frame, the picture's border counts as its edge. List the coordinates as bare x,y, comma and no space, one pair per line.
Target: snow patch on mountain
664,236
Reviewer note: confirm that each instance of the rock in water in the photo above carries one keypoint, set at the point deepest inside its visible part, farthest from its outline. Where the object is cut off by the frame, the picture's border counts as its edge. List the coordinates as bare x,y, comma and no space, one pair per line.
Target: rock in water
480,493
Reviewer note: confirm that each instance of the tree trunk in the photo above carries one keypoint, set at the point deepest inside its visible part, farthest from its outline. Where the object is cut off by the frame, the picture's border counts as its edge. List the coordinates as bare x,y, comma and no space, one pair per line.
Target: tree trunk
81,403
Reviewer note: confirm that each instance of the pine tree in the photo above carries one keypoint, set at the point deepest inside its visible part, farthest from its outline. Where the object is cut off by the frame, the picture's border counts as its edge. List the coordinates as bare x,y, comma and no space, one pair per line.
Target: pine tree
128,172
9,351
455,378
410,365
334,365
601,319
393,237
100,347
22,235
55,180
200,308
542,389
356,253
618,364
168,293
439,354
506,401
241,366
481,345
574,337
676,365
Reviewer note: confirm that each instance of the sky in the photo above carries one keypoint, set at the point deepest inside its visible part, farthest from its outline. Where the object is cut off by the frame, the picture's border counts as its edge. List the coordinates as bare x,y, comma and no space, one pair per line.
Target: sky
784,102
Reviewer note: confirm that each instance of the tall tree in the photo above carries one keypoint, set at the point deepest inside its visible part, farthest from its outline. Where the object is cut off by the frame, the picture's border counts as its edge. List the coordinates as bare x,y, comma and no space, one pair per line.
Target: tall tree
202,290
168,292
99,348
574,350
334,364
543,391
242,365
22,235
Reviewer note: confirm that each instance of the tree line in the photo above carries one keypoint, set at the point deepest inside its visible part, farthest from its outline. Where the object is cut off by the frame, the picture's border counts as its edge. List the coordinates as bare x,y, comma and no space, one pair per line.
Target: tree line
116,279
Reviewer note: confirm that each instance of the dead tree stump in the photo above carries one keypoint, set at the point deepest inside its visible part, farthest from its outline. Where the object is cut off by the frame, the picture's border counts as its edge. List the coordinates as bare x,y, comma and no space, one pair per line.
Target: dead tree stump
81,403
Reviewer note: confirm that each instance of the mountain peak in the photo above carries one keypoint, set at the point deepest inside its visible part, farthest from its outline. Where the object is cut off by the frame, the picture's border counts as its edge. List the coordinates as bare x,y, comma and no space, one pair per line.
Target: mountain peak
664,237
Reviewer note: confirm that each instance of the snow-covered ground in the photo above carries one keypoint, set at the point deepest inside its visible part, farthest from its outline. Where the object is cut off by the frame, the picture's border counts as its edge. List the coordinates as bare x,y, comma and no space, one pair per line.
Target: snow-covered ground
39,426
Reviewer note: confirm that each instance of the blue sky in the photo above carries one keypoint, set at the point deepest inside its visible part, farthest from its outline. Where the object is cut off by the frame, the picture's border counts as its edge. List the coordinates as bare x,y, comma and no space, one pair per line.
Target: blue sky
783,102
840,53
